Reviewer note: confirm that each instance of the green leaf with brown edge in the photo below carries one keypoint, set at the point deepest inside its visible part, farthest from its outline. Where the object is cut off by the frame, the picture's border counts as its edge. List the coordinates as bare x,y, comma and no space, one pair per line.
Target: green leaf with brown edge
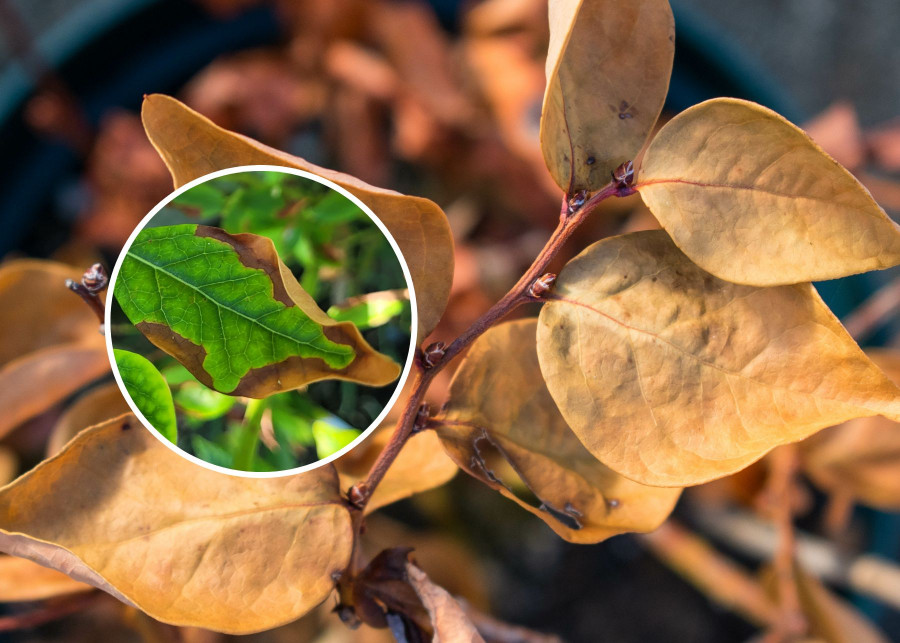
499,409
673,377
119,510
191,146
149,392
608,69
241,325
749,197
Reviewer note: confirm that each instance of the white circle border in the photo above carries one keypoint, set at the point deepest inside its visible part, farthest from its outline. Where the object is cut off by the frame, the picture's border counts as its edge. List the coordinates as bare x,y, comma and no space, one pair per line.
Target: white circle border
399,383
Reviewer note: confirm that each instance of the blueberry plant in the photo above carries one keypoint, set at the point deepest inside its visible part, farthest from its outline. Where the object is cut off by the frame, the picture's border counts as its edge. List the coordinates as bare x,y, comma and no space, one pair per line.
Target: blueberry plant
660,360
239,333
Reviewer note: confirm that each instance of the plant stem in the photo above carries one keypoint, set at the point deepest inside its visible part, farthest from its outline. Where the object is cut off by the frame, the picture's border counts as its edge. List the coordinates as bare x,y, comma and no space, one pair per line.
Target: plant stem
249,437
517,295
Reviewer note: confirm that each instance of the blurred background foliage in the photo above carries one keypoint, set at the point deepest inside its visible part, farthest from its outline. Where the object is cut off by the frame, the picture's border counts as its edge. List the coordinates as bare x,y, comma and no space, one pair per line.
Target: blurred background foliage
344,261
441,99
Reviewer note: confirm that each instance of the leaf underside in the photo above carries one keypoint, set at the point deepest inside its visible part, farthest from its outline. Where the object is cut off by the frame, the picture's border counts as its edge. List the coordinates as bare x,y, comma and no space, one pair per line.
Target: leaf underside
234,315
673,377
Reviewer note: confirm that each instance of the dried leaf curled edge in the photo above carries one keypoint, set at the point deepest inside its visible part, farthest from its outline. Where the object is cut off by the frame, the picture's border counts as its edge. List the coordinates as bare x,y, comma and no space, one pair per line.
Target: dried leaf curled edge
120,511
500,410
673,377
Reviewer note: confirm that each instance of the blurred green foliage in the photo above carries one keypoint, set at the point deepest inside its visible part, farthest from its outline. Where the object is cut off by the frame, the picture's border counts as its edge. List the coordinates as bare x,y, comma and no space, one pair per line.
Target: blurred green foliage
342,259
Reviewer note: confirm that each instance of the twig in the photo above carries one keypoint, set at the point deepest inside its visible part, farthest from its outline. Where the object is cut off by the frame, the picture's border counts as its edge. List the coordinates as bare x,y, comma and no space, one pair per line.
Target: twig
530,287
870,575
873,311
93,282
780,497
716,576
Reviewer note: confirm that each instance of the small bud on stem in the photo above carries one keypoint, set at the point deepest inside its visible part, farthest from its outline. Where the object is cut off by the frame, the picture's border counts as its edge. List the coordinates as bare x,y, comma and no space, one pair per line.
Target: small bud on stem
623,177
422,417
358,494
541,286
433,354
94,281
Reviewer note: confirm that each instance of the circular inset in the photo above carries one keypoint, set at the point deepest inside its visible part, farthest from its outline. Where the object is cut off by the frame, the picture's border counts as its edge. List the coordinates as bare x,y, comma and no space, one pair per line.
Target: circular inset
260,321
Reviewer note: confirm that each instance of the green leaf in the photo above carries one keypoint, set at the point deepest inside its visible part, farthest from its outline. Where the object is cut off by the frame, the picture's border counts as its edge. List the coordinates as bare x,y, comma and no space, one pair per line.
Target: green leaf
229,310
204,200
202,402
371,311
211,452
149,391
332,434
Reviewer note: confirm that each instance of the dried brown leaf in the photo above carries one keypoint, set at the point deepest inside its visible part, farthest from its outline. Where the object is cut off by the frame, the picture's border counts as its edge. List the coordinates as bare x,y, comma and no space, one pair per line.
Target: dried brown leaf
192,145
23,580
860,457
101,403
119,510
32,384
673,377
451,625
752,199
499,409
608,70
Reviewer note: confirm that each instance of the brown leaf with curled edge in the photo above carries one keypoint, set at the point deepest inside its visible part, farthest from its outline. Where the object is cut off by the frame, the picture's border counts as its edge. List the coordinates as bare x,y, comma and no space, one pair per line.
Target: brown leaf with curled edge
500,409
368,367
608,70
32,384
752,199
860,457
421,465
830,619
23,580
673,377
98,405
450,622
119,510
38,311
192,145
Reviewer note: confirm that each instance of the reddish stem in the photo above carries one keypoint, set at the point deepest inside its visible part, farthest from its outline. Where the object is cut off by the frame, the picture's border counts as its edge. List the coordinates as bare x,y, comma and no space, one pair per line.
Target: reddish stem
519,294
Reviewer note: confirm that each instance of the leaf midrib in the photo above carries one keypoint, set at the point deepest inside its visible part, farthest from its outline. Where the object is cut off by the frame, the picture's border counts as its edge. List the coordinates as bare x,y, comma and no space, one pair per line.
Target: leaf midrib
252,320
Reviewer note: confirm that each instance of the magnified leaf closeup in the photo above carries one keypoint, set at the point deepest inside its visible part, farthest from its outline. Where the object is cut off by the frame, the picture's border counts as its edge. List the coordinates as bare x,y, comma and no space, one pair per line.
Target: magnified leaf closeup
229,310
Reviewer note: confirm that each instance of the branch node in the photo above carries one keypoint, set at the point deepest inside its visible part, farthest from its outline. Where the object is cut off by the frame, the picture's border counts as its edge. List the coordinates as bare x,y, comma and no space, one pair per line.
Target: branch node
422,417
576,201
433,354
541,286
358,494
623,179
93,281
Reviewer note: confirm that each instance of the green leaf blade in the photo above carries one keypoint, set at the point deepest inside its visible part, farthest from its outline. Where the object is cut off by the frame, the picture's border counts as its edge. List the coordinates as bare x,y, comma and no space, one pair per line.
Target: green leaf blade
198,287
149,391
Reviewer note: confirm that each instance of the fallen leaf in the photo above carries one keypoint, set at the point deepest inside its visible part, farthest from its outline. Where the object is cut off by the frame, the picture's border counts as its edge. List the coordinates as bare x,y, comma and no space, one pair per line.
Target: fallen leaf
750,198
421,465
451,625
608,70
215,328
32,384
23,580
120,511
192,145
149,391
860,457
499,407
673,377
97,405
38,311
830,619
